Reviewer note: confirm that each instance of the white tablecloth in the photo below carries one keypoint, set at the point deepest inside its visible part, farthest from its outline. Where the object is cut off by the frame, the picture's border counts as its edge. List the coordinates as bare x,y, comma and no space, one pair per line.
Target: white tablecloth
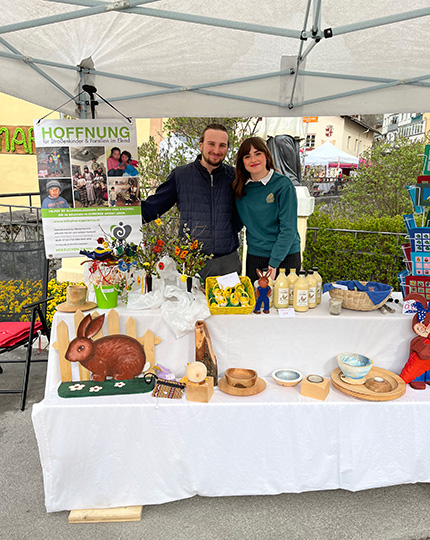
131,450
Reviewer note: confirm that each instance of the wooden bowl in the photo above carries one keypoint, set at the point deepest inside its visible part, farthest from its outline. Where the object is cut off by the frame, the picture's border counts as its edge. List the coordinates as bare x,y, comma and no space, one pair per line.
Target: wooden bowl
287,377
240,377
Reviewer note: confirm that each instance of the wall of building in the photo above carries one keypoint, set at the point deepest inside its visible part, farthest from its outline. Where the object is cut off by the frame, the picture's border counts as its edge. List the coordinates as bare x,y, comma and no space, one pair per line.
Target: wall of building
345,134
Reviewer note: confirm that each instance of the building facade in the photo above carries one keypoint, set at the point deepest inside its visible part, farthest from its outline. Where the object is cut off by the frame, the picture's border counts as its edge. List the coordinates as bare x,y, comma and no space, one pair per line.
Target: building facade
414,126
348,133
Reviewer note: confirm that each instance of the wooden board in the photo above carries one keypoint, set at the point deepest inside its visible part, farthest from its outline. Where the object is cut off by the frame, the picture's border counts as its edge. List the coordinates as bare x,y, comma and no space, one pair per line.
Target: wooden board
106,515
362,392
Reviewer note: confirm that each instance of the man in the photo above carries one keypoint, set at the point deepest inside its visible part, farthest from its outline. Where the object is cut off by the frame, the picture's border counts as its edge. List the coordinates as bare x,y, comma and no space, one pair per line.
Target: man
203,193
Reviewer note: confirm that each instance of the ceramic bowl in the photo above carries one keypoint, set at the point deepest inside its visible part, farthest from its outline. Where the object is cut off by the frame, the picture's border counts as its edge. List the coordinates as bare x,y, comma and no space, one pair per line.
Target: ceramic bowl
287,377
240,377
353,365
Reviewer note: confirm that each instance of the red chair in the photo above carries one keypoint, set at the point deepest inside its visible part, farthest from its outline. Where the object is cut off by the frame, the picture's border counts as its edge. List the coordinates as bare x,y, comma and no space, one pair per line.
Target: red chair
24,266
23,334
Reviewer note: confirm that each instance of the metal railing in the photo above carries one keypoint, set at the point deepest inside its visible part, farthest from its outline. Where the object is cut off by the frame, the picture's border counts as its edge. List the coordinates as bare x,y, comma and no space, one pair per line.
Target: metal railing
20,223
15,195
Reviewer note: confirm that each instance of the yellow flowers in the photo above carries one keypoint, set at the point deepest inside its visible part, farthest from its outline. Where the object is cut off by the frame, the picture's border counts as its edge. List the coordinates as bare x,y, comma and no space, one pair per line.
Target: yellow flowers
158,222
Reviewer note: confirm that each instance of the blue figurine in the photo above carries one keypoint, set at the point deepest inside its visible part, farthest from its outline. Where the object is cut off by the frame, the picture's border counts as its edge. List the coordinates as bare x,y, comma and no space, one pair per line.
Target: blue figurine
262,292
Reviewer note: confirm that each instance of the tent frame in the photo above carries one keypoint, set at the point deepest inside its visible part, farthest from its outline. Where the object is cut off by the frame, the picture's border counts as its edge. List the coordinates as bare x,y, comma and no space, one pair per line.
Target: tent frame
314,33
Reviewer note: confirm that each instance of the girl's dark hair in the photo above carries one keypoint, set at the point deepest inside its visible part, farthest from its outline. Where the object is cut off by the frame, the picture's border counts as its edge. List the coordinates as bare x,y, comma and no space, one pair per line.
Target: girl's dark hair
242,175
113,150
125,153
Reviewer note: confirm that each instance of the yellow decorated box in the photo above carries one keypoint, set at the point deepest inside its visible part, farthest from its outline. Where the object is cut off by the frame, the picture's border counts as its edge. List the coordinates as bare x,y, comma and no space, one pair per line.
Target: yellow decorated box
223,302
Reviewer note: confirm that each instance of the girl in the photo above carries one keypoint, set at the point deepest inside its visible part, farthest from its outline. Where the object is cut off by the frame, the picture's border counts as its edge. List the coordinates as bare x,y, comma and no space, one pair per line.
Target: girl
266,202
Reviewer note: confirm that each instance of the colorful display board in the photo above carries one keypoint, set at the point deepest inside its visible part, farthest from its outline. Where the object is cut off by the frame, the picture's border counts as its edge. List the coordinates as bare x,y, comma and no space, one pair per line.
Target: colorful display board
89,182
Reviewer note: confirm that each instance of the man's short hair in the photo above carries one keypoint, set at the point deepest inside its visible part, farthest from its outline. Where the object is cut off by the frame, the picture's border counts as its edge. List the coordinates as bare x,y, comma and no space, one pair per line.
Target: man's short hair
218,127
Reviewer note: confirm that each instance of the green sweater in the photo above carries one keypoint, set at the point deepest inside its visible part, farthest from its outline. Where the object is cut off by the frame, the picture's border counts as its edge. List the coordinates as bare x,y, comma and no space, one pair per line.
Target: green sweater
269,213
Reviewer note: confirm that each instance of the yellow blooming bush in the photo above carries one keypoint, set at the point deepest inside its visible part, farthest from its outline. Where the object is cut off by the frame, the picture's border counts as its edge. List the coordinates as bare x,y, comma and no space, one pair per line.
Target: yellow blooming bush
58,291
15,294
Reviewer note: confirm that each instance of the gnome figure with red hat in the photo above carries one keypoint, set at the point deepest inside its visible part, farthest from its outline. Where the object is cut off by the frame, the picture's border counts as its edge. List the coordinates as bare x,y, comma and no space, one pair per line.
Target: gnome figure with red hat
416,370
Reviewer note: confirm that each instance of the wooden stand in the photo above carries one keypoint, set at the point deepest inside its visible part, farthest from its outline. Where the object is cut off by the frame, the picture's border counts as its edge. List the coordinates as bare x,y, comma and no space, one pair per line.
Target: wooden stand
201,392
106,515
315,387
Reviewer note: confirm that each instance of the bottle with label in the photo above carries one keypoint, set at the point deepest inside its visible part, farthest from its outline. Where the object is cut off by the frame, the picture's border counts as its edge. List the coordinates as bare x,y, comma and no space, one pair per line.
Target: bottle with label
270,285
319,283
292,278
301,293
312,289
281,294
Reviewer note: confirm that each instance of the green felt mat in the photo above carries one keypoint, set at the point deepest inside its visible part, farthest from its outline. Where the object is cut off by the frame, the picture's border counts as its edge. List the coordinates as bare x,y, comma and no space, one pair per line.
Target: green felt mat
74,389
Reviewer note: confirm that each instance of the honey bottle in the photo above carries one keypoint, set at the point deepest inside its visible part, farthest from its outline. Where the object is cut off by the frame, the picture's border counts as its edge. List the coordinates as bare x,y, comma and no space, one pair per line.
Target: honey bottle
281,294
312,289
319,283
301,293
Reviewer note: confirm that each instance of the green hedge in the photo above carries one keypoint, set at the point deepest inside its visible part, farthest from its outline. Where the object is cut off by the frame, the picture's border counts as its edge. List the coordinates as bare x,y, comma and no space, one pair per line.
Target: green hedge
355,255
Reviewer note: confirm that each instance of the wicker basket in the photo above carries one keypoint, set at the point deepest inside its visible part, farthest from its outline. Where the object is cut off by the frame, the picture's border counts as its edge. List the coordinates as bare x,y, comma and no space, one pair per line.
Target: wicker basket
218,310
357,300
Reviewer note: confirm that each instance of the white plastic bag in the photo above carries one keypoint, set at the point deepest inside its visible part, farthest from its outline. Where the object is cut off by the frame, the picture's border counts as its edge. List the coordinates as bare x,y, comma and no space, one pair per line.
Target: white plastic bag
181,310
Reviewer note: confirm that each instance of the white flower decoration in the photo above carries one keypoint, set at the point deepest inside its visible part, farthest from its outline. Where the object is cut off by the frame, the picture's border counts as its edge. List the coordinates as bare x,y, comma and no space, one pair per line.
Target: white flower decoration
76,387
119,384
96,388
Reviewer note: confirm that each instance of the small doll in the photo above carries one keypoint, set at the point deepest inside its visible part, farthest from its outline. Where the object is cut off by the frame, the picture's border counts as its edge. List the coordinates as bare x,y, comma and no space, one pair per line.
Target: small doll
416,370
262,292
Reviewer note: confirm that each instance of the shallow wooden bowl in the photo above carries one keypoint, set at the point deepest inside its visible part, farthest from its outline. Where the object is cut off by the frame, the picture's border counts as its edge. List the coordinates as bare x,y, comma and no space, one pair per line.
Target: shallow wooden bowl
240,377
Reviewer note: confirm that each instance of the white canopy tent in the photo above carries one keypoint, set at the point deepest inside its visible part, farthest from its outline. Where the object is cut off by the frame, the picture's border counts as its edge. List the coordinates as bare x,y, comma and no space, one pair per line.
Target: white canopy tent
158,58
328,153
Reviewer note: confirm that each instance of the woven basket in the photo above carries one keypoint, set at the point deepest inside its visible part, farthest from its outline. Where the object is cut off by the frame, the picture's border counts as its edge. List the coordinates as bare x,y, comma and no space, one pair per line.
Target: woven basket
357,300
218,310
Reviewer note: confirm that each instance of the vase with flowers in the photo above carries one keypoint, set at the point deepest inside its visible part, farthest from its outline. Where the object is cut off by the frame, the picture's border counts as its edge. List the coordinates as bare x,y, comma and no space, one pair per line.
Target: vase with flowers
187,252
111,266
150,250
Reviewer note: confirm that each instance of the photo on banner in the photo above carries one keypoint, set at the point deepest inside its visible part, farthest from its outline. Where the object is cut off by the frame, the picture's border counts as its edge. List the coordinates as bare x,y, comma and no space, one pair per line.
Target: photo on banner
88,181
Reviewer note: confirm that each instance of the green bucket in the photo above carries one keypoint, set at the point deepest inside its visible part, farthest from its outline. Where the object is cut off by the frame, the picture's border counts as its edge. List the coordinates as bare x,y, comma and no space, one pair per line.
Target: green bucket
106,296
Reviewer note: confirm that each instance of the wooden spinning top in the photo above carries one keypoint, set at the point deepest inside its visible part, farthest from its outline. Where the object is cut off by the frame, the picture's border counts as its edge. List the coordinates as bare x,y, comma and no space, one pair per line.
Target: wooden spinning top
196,372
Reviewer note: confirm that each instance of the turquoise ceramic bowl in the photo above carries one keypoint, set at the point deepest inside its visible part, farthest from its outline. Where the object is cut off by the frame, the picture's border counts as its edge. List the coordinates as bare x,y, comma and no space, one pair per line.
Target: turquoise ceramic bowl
287,377
354,366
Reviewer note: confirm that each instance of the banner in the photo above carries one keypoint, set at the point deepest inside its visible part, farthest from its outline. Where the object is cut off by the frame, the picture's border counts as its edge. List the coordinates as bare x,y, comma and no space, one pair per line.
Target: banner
89,183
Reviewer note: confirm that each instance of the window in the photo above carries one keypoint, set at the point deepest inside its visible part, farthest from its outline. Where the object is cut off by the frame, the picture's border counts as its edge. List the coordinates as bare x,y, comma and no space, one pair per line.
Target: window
310,141
348,142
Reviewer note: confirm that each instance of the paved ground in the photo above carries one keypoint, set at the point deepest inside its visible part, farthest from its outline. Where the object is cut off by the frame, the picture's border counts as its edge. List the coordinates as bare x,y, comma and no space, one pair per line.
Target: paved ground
395,513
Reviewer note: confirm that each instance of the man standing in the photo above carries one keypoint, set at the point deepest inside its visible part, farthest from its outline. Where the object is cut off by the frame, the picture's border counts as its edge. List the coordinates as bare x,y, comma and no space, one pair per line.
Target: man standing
203,193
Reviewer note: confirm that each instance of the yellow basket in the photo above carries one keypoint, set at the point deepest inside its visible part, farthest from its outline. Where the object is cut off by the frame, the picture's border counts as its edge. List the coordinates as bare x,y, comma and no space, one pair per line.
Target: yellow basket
241,310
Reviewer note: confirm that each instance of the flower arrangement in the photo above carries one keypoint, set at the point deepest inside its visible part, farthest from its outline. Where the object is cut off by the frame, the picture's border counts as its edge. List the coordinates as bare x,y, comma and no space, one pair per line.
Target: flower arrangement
112,262
188,254
153,246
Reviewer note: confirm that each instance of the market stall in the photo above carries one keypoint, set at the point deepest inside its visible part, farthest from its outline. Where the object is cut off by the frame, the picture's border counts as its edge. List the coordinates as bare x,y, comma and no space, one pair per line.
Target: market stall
275,441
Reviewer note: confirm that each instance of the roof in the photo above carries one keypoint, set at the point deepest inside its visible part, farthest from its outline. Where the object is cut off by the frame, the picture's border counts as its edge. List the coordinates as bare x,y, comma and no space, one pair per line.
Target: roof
158,58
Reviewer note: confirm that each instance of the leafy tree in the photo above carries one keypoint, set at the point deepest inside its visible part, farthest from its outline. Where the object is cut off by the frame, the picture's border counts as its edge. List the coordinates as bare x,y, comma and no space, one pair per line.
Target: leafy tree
182,138
379,185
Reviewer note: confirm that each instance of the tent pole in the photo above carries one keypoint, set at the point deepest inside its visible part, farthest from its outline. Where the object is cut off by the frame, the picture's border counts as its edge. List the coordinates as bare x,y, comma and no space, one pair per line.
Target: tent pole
381,21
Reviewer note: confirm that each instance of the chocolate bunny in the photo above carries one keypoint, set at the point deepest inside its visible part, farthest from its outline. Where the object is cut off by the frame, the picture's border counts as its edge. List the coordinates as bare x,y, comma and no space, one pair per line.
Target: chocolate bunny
262,292
415,371
117,356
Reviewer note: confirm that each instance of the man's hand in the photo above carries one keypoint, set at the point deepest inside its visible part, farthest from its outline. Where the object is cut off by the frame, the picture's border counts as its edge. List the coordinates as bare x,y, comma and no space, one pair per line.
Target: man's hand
272,273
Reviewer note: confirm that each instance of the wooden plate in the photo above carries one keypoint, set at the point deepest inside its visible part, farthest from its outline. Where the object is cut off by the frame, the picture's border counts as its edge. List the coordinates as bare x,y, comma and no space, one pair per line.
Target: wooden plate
234,391
362,392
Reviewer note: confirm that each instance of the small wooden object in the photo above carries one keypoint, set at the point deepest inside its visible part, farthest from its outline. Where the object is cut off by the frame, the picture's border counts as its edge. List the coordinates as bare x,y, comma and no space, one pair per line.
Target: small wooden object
315,386
106,515
202,391
204,350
